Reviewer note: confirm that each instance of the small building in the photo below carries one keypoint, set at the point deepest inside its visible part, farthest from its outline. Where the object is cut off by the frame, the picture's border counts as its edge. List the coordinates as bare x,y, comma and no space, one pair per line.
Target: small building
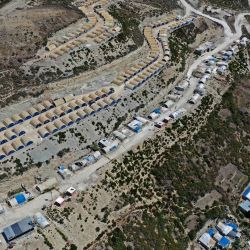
168,104
8,122
223,228
103,143
18,229
47,185
182,86
178,113
41,220
64,172
19,130
8,149
174,97
153,116
2,127
135,126
89,159
71,191
204,79
200,89
221,70
246,194
205,47
142,119
78,165
59,201
194,98
43,132
159,124
97,155
111,147
209,70
207,241
245,207
119,135
166,119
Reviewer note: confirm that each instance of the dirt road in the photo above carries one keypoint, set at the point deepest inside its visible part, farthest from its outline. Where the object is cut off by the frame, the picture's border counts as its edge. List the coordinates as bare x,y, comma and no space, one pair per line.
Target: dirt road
229,36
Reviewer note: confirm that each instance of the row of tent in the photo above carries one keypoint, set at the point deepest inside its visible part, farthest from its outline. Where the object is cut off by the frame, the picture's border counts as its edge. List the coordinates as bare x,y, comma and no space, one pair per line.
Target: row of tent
74,117
101,34
154,53
164,21
53,127
26,115
74,39
83,27
145,75
180,23
164,43
152,68
66,103
88,3
108,19
92,106
17,144
138,68
11,134
151,40
134,70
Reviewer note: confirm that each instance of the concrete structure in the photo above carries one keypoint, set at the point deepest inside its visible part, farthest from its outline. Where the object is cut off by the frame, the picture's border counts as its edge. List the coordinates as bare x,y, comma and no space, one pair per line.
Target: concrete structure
207,241
200,89
47,185
97,155
59,201
153,115
245,207
168,104
194,98
64,172
223,228
178,113
108,146
41,220
182,86
119,135
18,229
246,194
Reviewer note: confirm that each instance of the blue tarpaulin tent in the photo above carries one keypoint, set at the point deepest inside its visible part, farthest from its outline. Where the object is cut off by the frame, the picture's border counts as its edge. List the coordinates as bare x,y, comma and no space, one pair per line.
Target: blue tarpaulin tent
224,243
157,110
211,232
20,198
234,226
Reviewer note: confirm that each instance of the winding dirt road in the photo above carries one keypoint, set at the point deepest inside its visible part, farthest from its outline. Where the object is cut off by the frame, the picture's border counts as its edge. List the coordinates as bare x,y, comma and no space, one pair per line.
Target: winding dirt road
229,36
